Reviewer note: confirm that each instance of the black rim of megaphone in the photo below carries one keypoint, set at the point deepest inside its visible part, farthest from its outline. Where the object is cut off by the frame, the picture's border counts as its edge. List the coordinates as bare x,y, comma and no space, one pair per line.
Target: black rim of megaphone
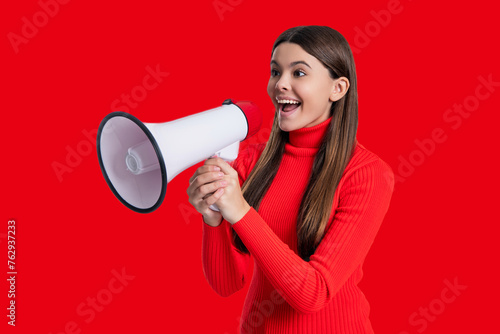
158,154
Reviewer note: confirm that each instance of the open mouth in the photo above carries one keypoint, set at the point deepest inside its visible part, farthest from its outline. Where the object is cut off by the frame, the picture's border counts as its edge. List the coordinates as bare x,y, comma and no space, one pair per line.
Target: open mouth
289,106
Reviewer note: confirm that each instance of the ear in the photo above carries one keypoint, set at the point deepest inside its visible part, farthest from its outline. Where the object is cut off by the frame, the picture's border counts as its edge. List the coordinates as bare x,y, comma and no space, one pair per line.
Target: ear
340,88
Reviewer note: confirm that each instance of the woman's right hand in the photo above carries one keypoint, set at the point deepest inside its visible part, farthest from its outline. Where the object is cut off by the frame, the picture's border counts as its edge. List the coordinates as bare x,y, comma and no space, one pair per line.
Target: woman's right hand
206,186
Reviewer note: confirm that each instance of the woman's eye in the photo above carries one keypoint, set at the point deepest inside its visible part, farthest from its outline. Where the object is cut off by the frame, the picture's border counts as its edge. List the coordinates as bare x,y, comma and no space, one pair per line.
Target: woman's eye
298,72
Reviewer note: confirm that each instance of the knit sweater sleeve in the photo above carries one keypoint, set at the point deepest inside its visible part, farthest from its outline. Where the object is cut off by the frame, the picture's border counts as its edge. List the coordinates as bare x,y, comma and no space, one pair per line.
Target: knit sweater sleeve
224,266
308,286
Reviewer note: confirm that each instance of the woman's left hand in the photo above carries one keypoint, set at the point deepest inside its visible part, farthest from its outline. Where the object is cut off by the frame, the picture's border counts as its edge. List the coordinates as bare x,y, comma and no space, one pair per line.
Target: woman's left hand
232,204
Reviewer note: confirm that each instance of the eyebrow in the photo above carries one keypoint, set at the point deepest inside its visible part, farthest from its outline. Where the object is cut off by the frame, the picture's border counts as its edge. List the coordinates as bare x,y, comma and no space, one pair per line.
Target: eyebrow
292,64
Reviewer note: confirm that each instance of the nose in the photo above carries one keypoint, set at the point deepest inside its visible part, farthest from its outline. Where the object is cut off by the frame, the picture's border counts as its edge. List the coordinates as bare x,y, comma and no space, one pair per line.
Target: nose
283,84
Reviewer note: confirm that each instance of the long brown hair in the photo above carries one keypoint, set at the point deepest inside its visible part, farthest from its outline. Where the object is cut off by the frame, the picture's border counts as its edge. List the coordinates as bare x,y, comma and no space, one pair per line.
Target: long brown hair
333,51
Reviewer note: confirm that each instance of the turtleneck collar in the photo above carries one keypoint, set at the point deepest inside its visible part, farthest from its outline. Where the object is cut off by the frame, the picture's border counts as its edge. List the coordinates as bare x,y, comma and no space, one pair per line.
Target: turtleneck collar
309,137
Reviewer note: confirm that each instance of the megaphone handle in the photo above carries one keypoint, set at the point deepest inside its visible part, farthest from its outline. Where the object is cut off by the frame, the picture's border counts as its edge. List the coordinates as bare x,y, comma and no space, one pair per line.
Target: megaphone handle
228,154
214,207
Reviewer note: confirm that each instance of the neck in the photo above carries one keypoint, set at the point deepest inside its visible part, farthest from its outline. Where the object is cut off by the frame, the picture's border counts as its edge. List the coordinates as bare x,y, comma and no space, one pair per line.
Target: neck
310,137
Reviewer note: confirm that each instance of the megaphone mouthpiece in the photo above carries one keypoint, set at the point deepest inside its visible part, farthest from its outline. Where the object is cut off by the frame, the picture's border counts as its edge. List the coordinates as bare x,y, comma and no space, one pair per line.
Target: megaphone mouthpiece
252,114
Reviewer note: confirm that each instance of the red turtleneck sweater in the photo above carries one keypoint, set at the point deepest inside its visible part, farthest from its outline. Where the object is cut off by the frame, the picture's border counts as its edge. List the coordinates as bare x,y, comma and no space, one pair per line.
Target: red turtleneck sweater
288,294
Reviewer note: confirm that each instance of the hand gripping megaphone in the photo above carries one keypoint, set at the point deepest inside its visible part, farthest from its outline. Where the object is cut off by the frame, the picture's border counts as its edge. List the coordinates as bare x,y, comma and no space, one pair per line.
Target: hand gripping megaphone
138,159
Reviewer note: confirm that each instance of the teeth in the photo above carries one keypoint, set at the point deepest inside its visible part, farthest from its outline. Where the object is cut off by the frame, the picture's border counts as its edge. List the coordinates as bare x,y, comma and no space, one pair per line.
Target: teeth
288,101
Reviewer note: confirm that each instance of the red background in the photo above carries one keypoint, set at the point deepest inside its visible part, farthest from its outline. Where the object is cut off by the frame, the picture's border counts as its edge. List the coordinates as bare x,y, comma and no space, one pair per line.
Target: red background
72,232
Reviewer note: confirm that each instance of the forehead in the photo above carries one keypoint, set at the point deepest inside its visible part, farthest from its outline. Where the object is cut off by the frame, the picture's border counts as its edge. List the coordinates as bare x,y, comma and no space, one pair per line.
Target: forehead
287,52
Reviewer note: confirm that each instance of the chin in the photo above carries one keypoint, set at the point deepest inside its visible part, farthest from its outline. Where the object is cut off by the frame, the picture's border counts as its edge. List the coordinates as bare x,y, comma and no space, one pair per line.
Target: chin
288,125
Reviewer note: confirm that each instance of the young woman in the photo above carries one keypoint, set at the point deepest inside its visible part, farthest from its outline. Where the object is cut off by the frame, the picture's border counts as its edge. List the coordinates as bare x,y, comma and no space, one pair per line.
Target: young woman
306,205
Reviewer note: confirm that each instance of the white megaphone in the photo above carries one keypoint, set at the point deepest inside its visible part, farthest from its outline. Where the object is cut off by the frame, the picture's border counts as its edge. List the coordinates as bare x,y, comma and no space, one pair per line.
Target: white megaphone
139,159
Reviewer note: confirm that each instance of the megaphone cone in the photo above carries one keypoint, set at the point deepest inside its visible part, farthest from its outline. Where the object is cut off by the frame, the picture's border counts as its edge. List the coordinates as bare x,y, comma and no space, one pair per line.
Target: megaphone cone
138,159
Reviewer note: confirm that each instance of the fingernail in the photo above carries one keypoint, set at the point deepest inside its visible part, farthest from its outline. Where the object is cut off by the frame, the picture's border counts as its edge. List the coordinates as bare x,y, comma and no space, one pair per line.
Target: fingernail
217,168
221,174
